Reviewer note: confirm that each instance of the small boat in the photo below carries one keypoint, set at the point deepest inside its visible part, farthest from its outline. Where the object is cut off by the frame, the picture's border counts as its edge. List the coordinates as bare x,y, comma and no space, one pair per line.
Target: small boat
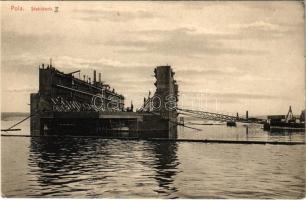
231,123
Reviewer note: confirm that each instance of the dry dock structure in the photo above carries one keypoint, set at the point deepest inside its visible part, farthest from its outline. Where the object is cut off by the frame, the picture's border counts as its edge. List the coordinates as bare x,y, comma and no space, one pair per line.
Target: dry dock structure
69,105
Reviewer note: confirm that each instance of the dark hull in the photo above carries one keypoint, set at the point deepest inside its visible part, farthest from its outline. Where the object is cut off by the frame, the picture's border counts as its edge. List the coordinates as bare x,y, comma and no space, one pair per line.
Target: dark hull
103,124
66,105
284,126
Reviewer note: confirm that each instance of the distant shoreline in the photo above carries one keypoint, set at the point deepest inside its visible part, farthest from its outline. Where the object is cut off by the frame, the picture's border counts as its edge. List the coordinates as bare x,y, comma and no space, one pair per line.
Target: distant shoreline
5,115
21,114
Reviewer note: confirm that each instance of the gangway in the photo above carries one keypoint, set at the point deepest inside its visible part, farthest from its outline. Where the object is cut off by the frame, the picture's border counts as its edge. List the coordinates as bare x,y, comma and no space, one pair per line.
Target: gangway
217,116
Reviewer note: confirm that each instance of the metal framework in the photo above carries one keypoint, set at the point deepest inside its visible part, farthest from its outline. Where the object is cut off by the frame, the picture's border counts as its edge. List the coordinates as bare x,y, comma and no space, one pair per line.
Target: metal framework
216,116
209,115
147,106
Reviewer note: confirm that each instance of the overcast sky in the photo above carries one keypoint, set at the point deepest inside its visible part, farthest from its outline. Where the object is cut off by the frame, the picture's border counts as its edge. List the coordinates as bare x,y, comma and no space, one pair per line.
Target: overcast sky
228,56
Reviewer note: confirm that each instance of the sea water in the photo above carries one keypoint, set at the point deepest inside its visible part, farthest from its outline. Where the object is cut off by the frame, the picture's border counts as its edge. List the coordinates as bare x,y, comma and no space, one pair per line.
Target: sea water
111,168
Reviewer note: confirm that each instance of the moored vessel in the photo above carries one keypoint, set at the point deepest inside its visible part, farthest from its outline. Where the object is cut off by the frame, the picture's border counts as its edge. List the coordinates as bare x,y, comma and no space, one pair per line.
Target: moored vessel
287,122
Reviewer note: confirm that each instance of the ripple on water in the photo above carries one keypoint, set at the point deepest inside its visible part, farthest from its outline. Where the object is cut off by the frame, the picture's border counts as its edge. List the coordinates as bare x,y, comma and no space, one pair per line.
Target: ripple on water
91,167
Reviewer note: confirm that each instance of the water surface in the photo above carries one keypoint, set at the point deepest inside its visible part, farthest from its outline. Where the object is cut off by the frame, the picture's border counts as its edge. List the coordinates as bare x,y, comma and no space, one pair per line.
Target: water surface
104,168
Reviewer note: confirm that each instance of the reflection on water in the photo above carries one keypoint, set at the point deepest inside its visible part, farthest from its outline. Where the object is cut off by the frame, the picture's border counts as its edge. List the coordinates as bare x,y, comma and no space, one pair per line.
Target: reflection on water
91,167
96,167
166,167
76,165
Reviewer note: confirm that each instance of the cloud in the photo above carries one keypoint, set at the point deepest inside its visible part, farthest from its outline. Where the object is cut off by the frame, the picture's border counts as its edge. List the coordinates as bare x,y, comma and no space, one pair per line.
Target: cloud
21,89
263,30
197,72
182,42
112,15
23,64
128,77
259,25
229,95
66,63
238,54
14,43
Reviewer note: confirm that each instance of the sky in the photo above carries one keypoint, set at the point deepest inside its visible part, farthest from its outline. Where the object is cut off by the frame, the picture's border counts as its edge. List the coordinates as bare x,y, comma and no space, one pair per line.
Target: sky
228,56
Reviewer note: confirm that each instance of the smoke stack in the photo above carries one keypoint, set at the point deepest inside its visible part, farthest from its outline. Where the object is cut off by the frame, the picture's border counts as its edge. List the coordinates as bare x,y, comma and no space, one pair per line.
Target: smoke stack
99,77
247,114
94,76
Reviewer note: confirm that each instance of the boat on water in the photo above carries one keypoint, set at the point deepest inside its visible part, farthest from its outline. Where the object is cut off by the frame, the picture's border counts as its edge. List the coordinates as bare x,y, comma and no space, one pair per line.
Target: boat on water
231,123
287,122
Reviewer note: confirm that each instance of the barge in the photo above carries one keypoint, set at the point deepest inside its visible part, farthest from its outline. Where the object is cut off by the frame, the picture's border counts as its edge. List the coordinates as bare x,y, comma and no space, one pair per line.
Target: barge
287,122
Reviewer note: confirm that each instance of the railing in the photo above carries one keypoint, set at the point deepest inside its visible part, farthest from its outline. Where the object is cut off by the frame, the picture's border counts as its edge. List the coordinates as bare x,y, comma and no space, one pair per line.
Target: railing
147,106
216,116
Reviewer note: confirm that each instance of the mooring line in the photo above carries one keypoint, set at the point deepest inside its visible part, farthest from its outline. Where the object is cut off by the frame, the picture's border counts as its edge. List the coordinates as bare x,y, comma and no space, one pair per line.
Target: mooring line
166,139
11,128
